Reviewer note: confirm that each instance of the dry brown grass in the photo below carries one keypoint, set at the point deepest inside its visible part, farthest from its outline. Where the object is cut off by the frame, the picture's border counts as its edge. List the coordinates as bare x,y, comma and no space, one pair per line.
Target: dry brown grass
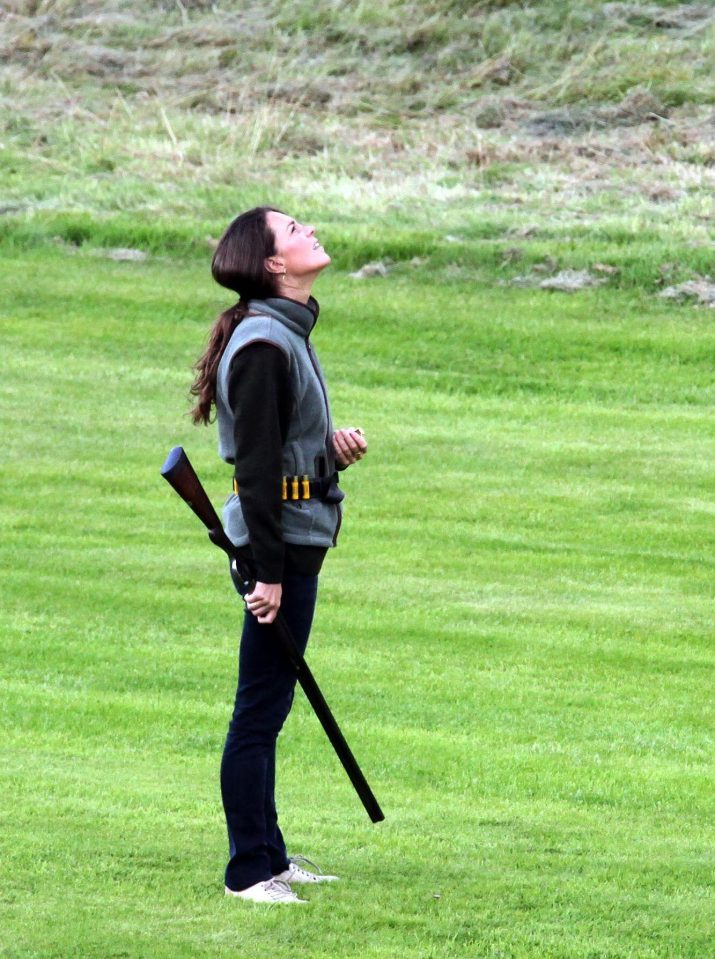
595,108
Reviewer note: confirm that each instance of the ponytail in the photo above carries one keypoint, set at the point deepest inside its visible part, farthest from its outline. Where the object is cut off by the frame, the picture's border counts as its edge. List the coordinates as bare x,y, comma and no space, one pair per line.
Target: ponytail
206,367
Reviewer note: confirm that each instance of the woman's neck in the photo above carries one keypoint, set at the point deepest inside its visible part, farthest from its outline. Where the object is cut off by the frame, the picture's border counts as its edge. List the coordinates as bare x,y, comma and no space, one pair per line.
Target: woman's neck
294,293
298,289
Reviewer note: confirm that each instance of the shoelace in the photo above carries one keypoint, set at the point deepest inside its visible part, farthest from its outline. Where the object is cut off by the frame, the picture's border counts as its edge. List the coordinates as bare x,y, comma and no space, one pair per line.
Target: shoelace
299,859
278,888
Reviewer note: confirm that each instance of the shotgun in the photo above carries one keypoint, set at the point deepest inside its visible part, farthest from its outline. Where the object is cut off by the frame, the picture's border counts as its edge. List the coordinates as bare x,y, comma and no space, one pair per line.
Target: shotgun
180,474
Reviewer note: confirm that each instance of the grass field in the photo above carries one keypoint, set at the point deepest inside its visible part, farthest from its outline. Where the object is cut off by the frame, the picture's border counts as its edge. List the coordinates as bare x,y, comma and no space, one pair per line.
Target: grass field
515,630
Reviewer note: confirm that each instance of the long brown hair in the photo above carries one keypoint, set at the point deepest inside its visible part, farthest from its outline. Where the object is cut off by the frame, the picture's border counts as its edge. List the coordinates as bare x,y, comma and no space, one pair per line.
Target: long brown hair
239,264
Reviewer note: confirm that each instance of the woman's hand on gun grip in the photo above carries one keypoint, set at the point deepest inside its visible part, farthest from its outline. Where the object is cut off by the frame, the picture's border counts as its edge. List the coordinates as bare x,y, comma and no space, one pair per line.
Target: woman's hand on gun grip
264,602
350,445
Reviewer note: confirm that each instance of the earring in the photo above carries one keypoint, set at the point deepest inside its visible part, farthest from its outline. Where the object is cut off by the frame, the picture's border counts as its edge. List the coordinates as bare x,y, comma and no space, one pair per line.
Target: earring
284,275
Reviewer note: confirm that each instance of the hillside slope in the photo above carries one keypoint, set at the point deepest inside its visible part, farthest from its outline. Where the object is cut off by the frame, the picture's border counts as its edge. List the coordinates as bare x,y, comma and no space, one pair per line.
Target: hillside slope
418,112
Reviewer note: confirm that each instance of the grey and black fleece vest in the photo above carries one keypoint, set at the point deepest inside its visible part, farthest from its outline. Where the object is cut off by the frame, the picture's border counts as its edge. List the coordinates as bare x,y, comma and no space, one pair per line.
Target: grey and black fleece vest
308,447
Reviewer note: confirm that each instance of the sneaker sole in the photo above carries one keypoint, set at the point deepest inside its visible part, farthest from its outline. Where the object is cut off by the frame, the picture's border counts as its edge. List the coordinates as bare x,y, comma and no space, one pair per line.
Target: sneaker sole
265,902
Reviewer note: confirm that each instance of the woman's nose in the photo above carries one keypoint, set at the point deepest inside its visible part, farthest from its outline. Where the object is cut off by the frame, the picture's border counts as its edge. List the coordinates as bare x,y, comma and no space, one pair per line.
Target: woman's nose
309,229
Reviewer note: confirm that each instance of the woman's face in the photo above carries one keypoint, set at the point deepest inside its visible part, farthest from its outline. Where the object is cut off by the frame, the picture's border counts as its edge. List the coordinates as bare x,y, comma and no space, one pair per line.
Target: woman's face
298,252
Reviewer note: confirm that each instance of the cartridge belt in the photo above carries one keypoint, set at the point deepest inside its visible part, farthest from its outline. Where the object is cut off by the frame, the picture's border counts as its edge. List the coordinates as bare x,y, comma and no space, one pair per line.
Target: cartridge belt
298,487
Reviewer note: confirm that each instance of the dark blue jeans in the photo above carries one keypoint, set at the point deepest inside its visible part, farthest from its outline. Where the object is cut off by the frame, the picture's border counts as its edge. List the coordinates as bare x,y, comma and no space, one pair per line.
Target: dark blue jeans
264,697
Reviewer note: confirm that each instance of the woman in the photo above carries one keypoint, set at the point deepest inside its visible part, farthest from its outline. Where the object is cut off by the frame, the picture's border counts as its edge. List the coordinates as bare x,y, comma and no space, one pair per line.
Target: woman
261,373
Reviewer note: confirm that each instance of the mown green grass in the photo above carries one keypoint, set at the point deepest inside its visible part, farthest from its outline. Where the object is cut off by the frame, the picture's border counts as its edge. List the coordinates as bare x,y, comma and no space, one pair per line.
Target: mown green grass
515,630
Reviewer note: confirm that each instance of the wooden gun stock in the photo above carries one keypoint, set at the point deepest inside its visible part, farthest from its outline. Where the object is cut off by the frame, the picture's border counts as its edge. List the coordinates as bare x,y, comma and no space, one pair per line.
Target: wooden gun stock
181,476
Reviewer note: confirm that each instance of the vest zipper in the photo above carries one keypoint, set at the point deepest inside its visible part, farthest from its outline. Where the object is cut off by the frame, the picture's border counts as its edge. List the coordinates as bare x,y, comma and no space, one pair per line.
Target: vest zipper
325,395
339,507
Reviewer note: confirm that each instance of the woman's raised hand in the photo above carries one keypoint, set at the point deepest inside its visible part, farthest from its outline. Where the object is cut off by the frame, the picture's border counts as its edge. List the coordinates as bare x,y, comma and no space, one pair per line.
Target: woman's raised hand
264,602
350,445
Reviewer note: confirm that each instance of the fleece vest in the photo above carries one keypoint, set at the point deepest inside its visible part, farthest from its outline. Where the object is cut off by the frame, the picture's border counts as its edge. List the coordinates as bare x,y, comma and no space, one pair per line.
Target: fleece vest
308,447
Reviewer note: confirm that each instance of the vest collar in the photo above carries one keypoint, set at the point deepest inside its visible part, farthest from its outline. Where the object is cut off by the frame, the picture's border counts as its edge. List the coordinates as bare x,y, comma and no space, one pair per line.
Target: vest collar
298,317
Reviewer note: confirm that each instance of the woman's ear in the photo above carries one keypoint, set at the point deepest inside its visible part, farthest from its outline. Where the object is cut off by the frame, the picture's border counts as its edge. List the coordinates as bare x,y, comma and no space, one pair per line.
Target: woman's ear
274,265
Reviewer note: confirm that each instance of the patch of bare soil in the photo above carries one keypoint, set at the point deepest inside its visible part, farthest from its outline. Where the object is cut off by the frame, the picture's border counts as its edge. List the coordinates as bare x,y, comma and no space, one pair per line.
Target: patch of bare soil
637,106
121,253
680,17
571,281
377,268
564,281
701,289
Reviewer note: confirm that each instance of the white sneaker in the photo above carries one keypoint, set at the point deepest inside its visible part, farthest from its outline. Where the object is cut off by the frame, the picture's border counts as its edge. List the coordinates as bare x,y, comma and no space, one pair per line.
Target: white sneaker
269,891
296,874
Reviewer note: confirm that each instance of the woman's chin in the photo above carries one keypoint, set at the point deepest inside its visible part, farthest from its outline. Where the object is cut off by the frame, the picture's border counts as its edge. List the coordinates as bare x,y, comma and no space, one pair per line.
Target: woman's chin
315,267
